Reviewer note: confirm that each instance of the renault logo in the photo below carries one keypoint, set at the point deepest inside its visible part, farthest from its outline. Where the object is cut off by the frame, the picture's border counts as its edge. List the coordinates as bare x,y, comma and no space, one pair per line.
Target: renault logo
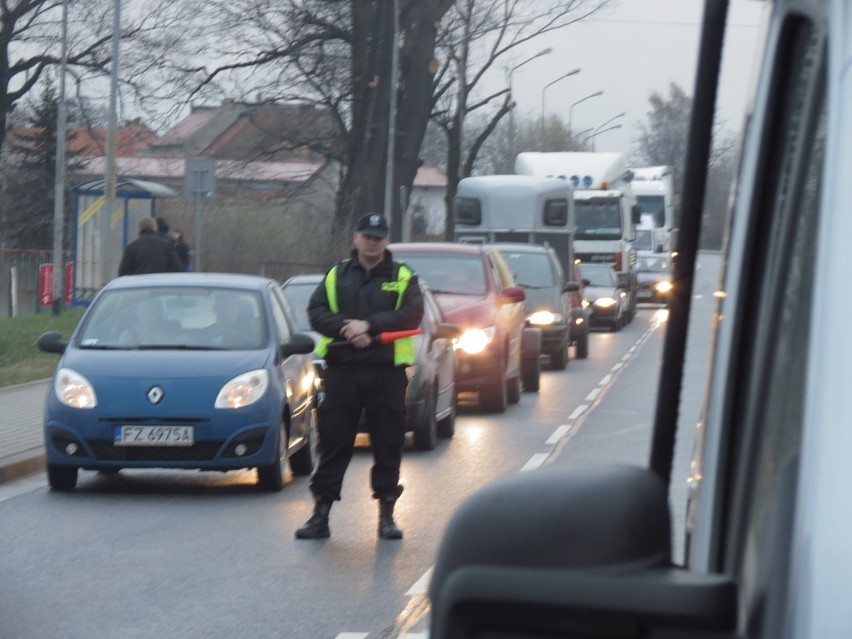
155,395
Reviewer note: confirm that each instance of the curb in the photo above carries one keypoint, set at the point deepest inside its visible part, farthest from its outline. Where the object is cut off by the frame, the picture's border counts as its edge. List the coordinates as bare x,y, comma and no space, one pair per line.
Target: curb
21,465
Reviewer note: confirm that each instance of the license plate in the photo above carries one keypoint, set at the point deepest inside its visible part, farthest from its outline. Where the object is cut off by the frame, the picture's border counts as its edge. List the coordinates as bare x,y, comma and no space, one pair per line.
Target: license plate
155,436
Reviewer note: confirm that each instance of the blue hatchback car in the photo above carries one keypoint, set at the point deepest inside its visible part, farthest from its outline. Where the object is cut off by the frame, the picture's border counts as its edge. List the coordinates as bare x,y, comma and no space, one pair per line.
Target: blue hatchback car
183,370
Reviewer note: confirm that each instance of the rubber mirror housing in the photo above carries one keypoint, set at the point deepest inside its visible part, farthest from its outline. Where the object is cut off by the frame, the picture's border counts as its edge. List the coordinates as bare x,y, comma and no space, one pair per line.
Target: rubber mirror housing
565,551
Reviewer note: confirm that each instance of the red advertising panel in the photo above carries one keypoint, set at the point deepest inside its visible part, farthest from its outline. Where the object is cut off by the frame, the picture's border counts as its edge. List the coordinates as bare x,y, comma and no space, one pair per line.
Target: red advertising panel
45,284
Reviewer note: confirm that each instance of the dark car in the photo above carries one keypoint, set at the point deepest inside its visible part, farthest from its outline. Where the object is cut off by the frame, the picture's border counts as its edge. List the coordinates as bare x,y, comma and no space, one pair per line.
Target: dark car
579,315
607,301
430,401
654,279
548,303
183,370
475,289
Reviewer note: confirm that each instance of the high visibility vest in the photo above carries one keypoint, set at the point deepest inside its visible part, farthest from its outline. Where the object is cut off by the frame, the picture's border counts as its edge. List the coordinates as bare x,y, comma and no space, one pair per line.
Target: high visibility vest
403,349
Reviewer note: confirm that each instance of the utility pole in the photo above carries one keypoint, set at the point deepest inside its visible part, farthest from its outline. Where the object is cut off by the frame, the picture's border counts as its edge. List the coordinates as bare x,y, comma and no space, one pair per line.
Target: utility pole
59,174
512,101
111,146
541,122
397,233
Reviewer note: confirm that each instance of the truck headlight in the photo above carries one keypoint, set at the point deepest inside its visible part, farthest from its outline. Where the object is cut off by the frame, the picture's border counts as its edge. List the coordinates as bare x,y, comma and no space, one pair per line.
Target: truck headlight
663,287
545,318
605,302
243,390
74,390
475,340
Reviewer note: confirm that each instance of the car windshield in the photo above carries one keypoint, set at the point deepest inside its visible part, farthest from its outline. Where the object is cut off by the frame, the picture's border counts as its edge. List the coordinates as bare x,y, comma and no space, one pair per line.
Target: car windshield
653,264
448,272
183,318
597,274
298,295
531,270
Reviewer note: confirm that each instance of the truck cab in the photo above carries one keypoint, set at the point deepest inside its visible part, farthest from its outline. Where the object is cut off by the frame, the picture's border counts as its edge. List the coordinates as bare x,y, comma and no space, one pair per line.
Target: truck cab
654,190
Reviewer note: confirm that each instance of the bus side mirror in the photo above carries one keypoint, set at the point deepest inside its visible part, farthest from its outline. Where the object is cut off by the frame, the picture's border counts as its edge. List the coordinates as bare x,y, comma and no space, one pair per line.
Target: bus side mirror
636,213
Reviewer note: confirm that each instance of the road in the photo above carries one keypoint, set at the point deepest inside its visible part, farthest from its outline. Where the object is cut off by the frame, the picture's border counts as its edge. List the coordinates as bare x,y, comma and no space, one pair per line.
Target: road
186,554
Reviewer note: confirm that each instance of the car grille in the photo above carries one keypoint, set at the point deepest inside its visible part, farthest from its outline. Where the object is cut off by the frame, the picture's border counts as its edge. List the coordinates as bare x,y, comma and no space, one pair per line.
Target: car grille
202,451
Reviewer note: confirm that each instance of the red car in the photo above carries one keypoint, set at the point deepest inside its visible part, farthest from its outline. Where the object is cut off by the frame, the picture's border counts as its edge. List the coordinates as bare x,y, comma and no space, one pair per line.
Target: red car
496,355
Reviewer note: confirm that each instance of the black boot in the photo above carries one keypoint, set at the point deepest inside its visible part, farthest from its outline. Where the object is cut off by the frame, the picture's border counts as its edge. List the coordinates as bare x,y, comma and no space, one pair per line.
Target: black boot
387,528
317,526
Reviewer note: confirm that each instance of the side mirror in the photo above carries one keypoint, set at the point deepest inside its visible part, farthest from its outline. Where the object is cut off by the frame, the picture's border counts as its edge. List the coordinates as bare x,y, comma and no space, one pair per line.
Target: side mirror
299,344
636,213
513,294
447,331
622,280
557,552
52,342
586,282
571,287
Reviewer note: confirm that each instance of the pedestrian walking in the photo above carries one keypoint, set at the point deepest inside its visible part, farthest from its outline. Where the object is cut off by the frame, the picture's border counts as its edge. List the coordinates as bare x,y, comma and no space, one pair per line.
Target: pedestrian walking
182,249
149,253
359,298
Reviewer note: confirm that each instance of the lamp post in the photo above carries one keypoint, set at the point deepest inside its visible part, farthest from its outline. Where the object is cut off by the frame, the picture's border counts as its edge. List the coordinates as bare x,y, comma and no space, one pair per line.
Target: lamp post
59,177
562,77
571,109
596,133
512,100
597,129
389,177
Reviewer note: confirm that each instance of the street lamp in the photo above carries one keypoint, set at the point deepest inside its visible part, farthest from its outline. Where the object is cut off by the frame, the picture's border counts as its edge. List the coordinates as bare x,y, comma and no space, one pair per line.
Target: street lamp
562,77
512,100
598,128
596,133
571,108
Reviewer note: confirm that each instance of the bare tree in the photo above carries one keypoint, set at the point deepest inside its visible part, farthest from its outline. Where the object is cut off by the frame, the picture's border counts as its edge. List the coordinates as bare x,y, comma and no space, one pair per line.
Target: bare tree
476,36
662,141
31,34
336,55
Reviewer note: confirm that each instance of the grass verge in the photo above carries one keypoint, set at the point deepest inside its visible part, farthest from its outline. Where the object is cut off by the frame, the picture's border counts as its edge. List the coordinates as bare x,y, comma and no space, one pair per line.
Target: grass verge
20,359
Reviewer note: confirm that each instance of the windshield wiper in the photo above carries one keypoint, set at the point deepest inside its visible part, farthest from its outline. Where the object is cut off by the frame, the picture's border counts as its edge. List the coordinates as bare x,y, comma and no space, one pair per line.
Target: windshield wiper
177,347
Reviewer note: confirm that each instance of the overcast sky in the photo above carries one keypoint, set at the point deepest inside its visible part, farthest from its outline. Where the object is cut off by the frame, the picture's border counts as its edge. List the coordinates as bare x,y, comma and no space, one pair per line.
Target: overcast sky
632,50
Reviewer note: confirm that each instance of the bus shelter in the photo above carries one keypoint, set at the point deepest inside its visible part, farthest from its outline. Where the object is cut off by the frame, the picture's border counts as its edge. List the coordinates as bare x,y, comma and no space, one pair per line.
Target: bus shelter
99,235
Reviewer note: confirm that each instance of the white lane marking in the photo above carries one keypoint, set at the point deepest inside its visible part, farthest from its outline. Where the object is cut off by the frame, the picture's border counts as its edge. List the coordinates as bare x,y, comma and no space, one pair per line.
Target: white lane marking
22,486
578,411
616,366
421,584
535,462
414,635
606,379
353,635
595,392
558,434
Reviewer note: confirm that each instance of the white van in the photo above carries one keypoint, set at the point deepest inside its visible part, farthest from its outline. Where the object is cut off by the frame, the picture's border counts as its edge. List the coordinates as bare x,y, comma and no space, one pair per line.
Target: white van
769,528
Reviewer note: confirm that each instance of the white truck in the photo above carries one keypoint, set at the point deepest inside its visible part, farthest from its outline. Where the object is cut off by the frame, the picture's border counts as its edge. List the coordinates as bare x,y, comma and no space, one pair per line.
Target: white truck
606,212
654,191
516,208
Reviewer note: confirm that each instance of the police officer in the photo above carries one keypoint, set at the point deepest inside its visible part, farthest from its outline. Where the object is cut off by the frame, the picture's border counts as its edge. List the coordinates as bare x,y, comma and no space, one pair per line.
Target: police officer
367,294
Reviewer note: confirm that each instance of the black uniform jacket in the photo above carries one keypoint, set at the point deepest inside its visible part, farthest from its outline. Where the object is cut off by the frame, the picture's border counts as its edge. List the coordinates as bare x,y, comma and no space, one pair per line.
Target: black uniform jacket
360,296
149,253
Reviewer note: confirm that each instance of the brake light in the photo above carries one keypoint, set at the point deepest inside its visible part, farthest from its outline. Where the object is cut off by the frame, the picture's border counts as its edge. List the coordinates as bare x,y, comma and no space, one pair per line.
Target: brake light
618,262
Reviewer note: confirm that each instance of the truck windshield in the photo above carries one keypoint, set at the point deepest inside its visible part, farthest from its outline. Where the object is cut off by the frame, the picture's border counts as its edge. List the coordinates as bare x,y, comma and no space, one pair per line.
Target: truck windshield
655,206
598,219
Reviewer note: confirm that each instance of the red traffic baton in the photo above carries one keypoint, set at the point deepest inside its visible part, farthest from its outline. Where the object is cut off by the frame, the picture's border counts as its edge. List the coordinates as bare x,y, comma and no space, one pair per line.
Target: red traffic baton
384,338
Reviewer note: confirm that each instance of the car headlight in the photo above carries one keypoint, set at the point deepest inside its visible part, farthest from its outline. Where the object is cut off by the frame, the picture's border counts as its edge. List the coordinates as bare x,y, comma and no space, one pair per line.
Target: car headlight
545,318
475,340
74,390
663,287
605,302
243,390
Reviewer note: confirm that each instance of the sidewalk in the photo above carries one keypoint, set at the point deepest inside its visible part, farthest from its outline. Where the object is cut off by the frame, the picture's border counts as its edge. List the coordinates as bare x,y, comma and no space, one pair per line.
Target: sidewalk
21,437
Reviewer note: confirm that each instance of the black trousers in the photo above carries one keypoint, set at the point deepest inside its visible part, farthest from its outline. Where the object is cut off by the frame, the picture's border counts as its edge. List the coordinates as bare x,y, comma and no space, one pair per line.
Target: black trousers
379,392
